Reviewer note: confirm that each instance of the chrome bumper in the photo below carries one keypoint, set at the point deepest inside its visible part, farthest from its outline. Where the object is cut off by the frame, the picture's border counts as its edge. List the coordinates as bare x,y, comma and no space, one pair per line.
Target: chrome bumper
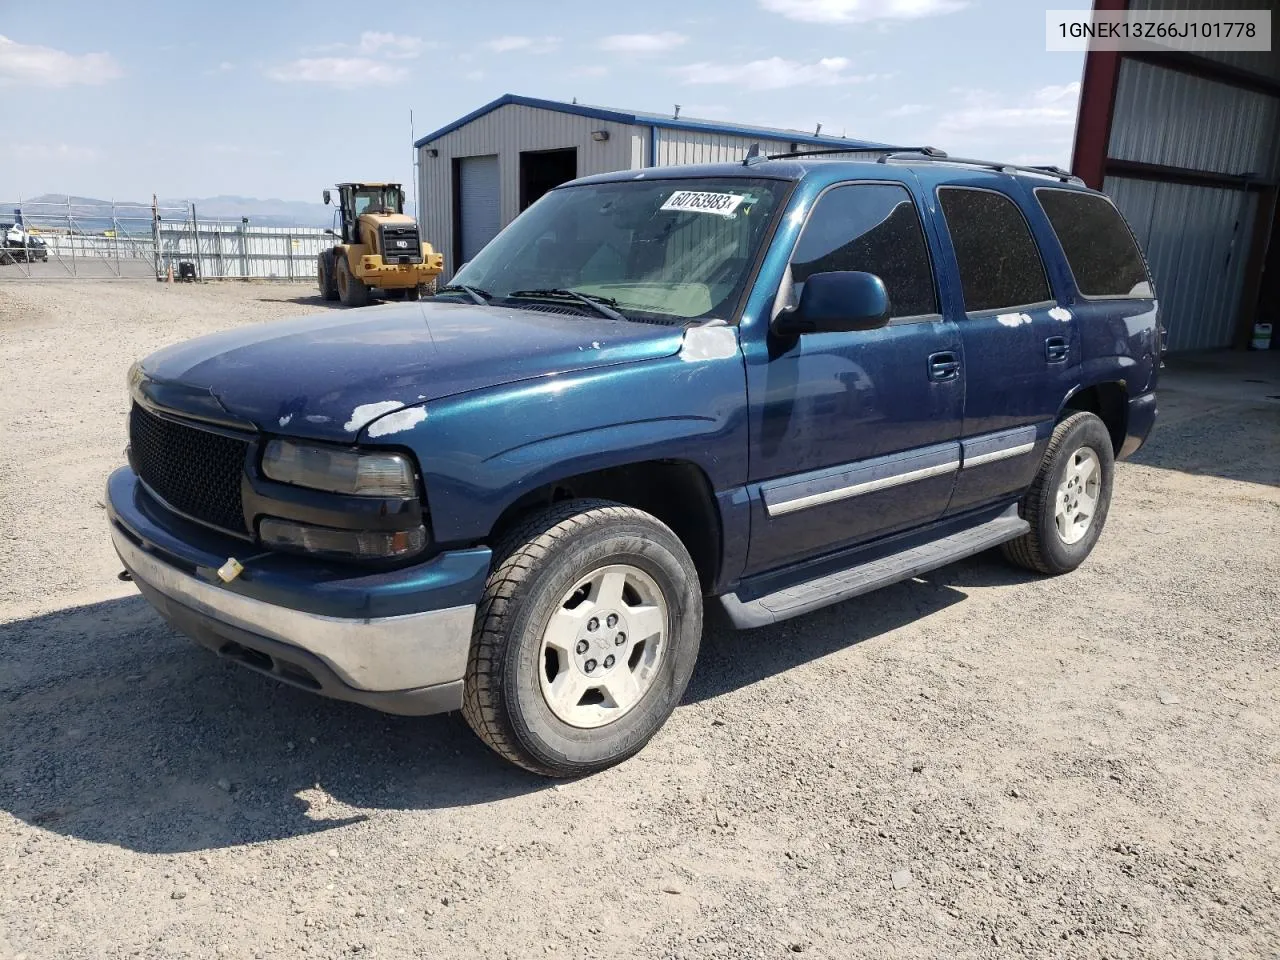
375,655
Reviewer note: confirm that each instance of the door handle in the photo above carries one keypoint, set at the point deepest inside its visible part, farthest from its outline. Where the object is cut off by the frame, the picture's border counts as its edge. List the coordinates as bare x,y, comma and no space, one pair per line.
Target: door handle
1055,349
943,366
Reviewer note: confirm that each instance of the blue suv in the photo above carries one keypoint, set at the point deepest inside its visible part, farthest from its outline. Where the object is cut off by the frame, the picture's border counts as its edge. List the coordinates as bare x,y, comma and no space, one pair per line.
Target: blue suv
779,383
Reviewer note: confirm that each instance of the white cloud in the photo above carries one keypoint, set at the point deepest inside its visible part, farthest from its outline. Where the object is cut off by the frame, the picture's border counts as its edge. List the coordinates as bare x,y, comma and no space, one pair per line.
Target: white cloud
995,124
775,73
523,44
1052,107
906,110
53,152
641,43
860,11
22,63
395,46
338,72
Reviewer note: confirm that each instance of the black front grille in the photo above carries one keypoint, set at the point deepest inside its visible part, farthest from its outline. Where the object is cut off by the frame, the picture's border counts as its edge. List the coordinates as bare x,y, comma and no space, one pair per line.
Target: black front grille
194,471
400,244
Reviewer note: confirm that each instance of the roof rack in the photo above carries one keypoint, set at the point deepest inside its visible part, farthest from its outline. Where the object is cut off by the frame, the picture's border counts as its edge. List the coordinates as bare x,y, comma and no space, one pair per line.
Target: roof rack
1045,171
828,151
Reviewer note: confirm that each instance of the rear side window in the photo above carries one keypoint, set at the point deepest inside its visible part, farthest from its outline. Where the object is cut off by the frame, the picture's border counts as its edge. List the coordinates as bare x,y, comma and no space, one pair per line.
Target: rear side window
998,260
1099,248
872,227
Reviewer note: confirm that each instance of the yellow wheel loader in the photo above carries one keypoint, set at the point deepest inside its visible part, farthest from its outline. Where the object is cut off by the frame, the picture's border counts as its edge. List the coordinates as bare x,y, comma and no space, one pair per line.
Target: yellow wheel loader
380,251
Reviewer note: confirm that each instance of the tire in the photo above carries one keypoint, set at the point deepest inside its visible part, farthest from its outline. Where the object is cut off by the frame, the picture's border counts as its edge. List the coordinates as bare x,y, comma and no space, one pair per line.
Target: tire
324,274
509,691
413,293
1080,442
351,290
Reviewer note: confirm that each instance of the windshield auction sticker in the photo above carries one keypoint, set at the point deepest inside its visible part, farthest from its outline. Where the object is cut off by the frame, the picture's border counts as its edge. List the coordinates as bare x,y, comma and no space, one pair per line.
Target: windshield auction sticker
723,204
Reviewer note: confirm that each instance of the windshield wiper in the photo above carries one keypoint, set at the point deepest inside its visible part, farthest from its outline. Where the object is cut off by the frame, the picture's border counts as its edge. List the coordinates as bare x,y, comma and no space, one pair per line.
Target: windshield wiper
475,293
602,305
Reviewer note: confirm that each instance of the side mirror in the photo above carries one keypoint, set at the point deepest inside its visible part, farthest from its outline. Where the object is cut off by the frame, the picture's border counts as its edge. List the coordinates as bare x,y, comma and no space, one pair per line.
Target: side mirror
326,197
330,232
839,301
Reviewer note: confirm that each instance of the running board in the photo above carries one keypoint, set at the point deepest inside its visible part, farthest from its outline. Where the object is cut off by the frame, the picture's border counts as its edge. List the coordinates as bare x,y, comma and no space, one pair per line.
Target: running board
855,581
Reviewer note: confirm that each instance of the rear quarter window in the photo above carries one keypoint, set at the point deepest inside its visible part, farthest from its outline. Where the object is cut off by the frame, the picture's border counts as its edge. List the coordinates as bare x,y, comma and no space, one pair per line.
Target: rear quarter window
999,263
1099,247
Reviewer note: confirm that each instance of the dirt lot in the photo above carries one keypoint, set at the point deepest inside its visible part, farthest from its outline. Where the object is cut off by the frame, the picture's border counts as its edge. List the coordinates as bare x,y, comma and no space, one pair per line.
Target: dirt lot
980,763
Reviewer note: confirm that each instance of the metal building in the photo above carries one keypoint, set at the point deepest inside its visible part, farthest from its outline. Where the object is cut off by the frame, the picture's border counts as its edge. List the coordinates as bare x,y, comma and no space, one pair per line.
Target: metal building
477,173
1189,148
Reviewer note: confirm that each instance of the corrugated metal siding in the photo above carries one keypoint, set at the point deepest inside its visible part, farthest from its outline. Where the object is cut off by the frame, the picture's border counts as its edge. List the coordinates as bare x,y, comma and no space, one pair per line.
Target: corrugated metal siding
677,147
1197,241
507,131
1172,118
1262,63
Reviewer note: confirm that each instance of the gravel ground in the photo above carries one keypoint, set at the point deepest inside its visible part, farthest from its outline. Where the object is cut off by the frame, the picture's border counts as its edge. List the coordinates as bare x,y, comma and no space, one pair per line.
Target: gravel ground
978,763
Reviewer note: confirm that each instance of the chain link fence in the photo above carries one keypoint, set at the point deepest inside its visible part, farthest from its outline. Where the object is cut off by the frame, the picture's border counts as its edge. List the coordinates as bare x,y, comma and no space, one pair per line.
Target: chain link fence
56,240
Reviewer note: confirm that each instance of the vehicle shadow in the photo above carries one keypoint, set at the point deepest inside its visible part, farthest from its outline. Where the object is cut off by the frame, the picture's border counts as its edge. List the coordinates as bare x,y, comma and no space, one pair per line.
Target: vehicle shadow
118,730
730,658
312,300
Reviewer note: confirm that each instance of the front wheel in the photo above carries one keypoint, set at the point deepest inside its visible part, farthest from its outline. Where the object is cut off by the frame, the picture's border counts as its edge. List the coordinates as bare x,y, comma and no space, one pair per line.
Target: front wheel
585,639
1068,501
351,289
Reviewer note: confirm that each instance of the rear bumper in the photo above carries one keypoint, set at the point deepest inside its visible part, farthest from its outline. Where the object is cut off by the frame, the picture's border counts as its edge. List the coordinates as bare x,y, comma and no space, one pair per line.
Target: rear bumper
393,640
1138,424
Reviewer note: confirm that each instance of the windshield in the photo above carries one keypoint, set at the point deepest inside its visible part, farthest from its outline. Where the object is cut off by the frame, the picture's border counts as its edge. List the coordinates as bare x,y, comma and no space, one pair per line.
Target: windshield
377,200
668,250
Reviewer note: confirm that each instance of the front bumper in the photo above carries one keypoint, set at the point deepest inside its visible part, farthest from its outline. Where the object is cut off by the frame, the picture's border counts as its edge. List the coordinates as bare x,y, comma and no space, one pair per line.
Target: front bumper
393,640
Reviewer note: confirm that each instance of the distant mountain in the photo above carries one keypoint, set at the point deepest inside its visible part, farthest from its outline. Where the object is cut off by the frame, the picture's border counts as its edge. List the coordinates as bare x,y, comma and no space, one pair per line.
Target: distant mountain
93,215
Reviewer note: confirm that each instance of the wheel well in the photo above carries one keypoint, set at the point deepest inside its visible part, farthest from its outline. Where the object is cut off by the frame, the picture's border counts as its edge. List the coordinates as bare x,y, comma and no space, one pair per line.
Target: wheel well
677,492
1109,403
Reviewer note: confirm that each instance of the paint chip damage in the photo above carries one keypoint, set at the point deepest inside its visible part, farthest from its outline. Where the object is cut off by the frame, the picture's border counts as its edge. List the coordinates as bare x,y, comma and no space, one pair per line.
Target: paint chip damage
1060,313
714,340
1013,319
368,412
397,422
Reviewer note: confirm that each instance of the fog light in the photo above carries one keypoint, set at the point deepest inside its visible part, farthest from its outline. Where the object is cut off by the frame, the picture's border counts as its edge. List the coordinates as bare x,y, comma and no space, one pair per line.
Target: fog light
346,544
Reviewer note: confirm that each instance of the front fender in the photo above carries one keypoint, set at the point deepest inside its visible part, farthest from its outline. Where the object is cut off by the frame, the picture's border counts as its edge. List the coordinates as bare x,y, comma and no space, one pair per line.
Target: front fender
480,452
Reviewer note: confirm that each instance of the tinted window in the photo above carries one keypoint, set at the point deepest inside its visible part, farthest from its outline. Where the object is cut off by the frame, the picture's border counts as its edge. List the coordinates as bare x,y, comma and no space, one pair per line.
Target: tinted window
1100,249
998,260
871,227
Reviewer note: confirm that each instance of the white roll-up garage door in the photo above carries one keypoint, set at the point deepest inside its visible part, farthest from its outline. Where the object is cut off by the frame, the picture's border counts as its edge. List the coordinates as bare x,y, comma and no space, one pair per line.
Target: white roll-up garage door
478,190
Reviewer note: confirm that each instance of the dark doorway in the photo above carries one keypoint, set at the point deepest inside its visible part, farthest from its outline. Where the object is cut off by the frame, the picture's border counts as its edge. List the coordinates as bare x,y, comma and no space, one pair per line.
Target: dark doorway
540,170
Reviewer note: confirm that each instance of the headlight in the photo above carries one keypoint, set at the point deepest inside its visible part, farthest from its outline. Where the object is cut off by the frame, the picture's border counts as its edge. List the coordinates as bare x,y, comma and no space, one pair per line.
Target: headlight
344,544
340,471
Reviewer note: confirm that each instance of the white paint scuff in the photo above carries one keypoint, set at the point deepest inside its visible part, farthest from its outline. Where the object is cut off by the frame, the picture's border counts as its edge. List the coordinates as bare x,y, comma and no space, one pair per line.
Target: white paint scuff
1013,319
284,421
714,340
397,422
1060,313
370,411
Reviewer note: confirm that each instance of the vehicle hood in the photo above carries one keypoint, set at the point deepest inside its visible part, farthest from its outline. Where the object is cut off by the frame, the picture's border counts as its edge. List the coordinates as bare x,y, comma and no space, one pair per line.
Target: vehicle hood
326,377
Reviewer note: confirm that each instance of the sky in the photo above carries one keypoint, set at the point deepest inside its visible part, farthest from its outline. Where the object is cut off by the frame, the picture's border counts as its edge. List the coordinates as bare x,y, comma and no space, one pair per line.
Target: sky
279,99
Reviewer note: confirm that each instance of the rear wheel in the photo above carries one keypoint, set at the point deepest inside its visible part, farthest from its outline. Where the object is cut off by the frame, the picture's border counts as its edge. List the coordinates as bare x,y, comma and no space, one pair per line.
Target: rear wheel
585,639
1068,501
351,289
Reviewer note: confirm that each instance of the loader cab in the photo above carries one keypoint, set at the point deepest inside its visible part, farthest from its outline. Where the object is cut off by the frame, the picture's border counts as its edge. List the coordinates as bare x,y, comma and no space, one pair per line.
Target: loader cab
356,199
